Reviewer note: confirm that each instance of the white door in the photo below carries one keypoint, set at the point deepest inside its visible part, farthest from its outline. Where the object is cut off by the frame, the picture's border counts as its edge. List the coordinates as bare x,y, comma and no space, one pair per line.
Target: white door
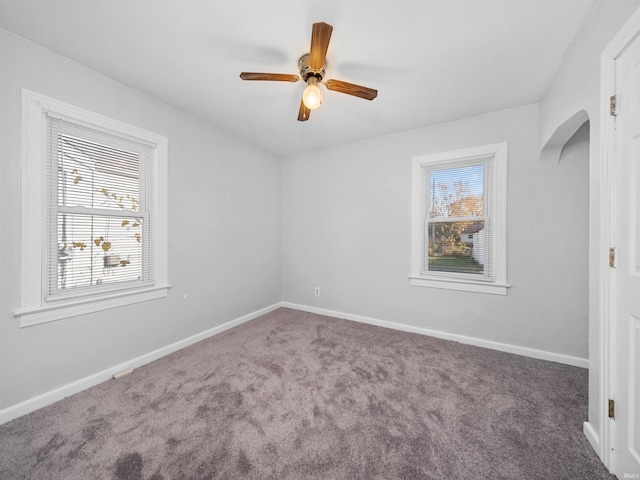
626,339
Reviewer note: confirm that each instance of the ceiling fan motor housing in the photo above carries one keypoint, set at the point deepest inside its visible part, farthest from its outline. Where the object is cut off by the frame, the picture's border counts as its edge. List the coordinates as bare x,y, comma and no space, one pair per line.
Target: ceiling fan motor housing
306,71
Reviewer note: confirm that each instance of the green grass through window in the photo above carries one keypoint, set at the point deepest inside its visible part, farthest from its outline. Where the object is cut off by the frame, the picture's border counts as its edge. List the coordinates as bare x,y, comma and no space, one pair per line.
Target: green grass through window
454,264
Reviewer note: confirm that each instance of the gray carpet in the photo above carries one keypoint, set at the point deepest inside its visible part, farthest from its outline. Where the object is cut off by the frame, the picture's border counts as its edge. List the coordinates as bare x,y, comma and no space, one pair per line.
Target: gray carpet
293,395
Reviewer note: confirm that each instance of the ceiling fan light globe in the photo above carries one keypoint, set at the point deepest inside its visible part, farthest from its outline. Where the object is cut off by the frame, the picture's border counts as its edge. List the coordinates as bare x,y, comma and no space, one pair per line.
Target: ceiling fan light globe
312,96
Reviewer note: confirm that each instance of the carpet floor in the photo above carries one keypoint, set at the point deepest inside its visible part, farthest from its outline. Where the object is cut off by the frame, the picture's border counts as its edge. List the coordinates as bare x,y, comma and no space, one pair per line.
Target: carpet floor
294,395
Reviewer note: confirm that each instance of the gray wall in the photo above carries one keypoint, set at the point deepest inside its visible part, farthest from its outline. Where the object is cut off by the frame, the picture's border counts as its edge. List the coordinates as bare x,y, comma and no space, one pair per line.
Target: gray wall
575,87
224,230
241,220
346,229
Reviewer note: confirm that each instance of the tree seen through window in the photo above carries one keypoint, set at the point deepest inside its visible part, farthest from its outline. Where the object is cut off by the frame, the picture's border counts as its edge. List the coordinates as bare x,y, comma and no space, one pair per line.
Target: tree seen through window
456,219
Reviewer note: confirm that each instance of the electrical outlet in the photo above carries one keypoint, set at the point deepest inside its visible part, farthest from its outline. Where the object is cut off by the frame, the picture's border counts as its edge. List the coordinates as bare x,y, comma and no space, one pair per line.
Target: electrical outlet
317,291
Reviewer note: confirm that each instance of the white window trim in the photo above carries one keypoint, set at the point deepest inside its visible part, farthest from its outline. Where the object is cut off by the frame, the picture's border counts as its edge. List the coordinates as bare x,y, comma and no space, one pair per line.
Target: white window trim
498,209
34,309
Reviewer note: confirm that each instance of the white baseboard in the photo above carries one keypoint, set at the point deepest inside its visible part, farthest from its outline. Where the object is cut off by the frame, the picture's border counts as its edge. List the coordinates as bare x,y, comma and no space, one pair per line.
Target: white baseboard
478,342
592,436
52,396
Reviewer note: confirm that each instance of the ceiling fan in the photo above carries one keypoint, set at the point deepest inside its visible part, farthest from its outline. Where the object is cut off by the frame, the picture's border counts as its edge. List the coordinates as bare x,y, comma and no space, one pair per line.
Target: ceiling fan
312,68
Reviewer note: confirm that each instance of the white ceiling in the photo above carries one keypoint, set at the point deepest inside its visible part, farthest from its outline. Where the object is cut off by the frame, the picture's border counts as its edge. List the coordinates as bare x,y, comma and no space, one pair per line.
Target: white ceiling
431,61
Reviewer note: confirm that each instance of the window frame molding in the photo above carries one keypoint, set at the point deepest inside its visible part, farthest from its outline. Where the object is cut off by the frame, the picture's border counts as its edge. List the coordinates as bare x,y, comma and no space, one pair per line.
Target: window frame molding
497,209
35,308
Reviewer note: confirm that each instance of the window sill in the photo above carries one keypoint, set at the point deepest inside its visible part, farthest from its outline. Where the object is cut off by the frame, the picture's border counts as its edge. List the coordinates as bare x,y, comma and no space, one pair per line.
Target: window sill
460,285
47,313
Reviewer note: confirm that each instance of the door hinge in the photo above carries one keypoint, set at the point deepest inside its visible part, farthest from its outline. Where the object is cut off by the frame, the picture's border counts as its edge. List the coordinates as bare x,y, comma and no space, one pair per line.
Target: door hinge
612,105
612,257
612,409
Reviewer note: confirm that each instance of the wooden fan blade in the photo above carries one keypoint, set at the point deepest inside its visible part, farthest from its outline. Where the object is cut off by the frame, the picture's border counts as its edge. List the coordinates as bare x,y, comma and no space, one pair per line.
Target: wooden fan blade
320,36
351,89
303,113
275,77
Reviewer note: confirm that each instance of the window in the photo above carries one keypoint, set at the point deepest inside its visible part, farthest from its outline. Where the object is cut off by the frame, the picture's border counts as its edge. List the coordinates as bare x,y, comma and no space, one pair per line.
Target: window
459,220
94,212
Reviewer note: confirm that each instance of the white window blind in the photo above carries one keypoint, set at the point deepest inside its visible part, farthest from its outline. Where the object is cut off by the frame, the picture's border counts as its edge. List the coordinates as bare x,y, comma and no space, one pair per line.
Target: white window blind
100,209
458,233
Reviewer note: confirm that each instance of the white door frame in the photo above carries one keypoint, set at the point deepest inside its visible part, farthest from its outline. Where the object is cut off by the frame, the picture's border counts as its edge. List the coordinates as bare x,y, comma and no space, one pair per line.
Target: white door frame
608,211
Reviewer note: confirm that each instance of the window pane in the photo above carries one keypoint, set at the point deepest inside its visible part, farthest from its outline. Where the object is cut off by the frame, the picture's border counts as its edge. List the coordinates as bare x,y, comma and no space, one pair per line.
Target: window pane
456,192
97,250
92,175
456,247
